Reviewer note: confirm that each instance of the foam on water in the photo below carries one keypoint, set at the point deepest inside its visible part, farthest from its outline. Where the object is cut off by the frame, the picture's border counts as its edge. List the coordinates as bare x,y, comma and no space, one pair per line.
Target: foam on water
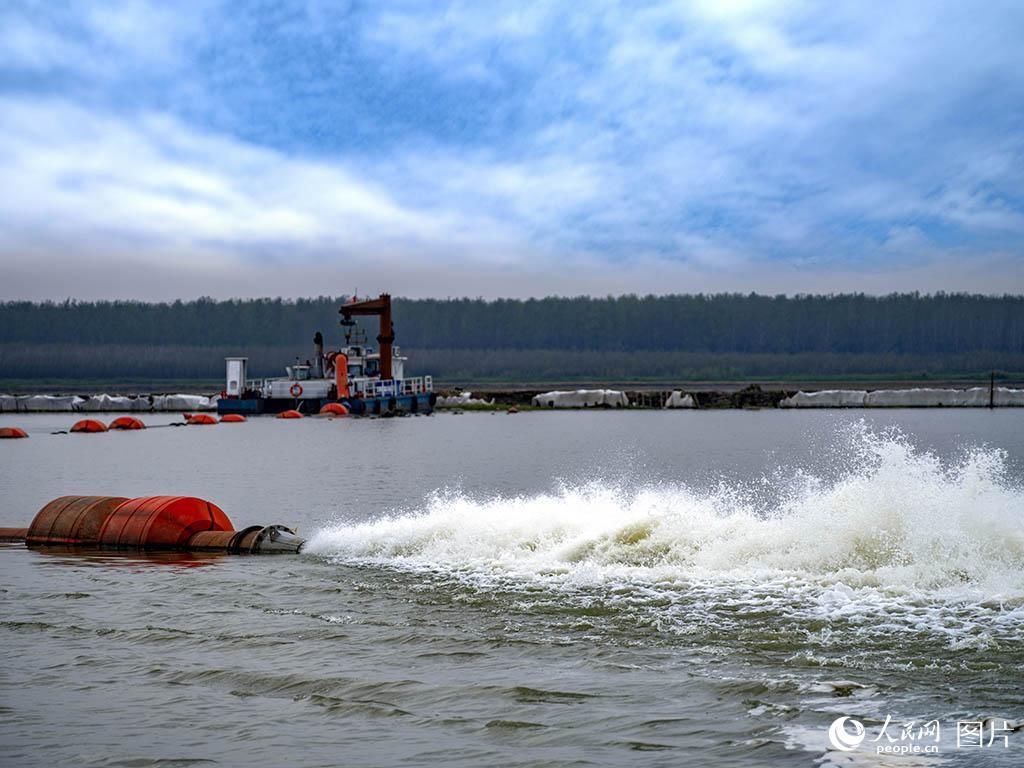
894,521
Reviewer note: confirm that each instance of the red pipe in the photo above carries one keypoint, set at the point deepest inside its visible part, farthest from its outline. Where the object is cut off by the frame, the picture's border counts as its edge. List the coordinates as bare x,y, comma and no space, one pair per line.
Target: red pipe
147,523
341,374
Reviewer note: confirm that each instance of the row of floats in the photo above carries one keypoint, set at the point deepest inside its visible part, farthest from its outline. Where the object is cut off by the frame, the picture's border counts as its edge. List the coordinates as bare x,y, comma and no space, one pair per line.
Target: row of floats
198,419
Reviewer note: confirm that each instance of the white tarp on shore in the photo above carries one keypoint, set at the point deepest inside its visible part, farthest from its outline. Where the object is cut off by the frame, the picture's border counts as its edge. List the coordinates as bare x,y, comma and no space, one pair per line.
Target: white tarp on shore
460,400
104,403
678,400
1009,397
111,403
582,398
922,397
39,403
184,403
927,398
826,398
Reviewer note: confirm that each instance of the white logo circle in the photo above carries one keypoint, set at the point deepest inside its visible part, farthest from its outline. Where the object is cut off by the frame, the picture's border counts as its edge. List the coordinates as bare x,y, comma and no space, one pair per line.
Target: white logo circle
841,738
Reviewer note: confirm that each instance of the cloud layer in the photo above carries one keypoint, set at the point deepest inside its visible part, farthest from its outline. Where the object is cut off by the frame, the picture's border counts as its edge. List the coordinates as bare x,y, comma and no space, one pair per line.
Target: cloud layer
510,149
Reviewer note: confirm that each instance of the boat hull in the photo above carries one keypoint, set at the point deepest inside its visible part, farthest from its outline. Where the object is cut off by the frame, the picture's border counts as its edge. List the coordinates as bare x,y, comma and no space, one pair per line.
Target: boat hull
422,402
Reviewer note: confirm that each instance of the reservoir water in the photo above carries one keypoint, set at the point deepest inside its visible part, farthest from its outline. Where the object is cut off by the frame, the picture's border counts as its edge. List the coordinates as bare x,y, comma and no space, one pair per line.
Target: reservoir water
588,588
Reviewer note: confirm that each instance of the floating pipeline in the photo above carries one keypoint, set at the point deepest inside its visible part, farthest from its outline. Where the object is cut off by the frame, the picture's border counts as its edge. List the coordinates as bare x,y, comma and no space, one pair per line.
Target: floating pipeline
149,523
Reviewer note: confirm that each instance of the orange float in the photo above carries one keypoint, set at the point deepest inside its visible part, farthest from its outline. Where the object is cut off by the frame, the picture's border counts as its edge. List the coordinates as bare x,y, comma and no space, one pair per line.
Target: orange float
232,418
160,522
89,425
200,418
289,415
12,432
334,409
127,422
72,520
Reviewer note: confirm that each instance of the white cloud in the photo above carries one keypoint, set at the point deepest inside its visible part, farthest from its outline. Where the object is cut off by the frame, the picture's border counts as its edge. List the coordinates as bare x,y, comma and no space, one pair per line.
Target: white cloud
665,146
95,182
95,40
755,109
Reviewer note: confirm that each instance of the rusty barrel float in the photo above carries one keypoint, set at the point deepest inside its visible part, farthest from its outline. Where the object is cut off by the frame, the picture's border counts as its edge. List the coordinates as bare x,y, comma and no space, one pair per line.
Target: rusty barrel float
182,523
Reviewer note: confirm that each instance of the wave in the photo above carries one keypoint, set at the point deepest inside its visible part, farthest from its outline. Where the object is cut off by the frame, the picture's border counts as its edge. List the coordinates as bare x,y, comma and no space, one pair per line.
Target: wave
893,517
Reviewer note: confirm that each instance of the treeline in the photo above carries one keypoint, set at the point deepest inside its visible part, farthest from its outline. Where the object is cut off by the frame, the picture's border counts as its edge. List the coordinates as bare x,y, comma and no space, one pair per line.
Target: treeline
142,362
847,323
682,336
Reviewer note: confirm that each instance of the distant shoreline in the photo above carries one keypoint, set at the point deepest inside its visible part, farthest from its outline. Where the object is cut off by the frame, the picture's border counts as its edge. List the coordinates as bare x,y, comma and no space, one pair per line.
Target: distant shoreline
565,395
516,390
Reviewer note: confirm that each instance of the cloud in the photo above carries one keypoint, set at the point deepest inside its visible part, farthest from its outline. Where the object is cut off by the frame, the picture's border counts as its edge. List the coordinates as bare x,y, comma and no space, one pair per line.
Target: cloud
72,174
515,147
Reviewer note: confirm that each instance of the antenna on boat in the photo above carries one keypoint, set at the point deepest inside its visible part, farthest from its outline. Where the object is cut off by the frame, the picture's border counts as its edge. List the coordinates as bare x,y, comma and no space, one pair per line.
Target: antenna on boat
347,321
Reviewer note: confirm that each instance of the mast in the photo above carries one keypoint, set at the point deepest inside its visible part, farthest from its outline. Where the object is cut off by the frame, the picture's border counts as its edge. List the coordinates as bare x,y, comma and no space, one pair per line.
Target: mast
379,307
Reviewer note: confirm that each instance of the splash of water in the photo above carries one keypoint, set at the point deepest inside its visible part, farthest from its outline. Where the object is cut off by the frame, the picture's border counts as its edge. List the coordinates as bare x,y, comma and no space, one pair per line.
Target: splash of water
896,517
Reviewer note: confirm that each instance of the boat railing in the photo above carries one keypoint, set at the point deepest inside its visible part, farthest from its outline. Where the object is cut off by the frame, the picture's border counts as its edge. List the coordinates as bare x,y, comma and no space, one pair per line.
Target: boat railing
393,387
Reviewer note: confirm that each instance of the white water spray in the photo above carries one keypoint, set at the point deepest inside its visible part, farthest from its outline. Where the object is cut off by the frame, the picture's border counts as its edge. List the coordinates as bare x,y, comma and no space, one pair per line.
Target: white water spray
896,518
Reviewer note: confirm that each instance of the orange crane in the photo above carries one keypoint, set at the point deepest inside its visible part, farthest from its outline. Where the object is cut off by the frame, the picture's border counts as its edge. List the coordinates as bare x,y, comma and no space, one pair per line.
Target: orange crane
380,307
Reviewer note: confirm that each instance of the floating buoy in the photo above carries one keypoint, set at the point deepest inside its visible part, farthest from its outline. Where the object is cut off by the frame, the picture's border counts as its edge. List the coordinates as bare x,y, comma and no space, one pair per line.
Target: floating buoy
200,418
289,415
334,409
232,418
160,522
12,432
127,422
89,425
72,520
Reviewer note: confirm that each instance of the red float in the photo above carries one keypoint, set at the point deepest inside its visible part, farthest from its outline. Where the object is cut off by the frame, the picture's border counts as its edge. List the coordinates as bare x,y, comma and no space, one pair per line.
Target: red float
127,422
72,520
12,433
160,522
232,418
89,425
334,409
289,415
200,418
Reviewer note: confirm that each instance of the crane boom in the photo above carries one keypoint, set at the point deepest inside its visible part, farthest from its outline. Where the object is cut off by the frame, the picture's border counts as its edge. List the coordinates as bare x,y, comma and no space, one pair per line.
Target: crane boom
379,307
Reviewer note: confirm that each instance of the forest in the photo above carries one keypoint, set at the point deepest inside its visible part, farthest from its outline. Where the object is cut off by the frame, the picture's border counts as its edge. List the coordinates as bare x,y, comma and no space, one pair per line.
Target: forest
675,337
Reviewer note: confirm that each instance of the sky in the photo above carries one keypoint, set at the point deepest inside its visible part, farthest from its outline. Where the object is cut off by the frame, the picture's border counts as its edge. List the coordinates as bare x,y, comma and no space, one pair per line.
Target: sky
162,150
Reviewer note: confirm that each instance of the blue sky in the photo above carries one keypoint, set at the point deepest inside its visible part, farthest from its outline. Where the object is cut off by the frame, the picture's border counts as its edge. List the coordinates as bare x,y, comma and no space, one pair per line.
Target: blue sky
509,149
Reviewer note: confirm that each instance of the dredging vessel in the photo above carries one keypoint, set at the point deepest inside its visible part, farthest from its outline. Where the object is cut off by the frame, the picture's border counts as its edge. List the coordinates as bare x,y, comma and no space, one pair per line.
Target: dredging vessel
364,381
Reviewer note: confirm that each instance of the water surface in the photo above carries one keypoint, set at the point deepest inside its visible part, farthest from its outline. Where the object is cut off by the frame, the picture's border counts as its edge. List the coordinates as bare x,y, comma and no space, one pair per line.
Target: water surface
593,588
